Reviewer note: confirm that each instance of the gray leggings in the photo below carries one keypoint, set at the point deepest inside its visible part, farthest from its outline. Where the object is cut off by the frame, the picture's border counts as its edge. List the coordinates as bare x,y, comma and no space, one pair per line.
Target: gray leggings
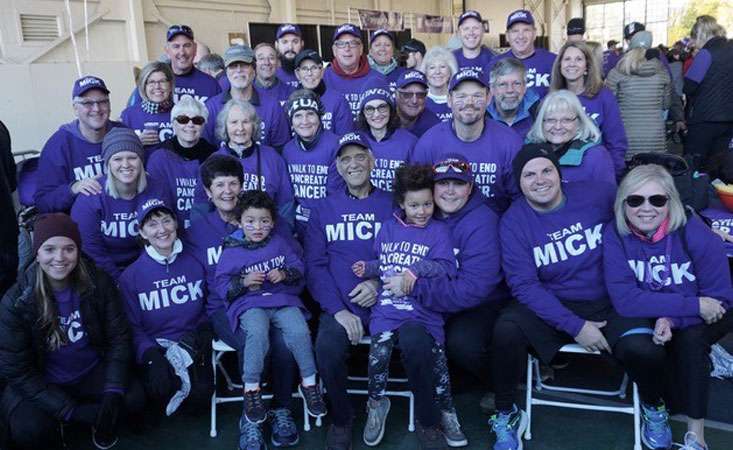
255,323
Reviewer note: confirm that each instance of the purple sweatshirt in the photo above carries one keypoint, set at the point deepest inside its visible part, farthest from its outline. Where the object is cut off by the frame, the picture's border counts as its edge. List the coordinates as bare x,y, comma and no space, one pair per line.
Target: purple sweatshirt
587,161
666,278
479,277
340,232
441,110
424,122
351,88
196,83
137,119
398,247
539,69
337,116
278,90
67,157
722,220
287,78
76,358
179,176
275,130
240,258
110,227
556,256
482,63
610,59
163,300
390,153
491,157
604,110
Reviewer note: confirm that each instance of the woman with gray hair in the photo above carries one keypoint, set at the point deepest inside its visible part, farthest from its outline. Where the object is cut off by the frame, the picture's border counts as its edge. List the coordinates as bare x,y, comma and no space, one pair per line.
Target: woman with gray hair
667,266
176,165
150,118
439,65
575,140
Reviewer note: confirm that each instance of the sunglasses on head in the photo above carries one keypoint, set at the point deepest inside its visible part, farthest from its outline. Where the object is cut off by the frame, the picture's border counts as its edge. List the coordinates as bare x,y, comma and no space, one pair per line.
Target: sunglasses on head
657,201
457,166
183,120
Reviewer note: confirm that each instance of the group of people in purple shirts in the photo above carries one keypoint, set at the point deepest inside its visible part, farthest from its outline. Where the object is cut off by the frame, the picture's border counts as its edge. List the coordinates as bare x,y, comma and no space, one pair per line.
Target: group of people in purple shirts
243,208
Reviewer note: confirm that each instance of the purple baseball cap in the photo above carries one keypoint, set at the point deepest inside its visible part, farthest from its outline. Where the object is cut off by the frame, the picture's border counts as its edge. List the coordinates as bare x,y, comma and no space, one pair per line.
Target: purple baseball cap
375,93
470,14
519,16
453,167
467,75
288,28
85,84
347,28
149,205
411,76
381,32
175,30
353,138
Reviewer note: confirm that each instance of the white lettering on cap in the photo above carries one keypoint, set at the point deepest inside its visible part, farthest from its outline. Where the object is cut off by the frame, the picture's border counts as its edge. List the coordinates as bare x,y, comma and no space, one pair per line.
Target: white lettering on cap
518,15
87,81
288,28
349,137
467,73
153,202
414,74
344,28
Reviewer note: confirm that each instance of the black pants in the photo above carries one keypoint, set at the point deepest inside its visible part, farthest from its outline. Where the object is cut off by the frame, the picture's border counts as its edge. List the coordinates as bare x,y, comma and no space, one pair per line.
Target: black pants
709,142
31,428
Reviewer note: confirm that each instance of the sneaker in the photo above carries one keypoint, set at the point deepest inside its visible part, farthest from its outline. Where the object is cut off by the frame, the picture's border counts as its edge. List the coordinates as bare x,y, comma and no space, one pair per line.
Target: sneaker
338,438
313,400
284,430
430,438
655,430
377,411
508,428
487,404
691,442
254,408
250,436
103,442
451,429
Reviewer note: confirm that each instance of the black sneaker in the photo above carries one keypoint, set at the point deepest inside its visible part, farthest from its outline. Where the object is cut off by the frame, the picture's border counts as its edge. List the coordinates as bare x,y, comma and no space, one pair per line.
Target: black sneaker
430,438
284,430
313,400
338,438
254,408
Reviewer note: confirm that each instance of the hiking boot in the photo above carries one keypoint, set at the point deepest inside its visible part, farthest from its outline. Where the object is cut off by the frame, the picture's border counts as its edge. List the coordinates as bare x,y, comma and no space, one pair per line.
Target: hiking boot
254,408
377,411
508,427
655,430
314,403
284,430
338,438
487,404
250,436
451,429
430,438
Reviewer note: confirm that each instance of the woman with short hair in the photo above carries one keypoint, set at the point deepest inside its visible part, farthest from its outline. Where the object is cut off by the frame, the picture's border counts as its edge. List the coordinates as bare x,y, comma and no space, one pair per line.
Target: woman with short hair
439,65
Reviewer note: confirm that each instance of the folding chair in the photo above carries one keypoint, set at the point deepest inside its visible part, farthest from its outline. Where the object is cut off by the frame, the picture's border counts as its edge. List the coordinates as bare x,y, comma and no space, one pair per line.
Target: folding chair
389,393
218,350
534,382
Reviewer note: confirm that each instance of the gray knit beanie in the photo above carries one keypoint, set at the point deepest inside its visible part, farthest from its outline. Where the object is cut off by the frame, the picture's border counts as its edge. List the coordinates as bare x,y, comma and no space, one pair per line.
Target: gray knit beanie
121,139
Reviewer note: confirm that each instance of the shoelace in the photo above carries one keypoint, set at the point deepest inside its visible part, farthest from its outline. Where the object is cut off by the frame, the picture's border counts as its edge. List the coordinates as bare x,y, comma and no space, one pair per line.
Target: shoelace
500,426
311,394
452,421
656,420
690,442
251,433
253,399
283,421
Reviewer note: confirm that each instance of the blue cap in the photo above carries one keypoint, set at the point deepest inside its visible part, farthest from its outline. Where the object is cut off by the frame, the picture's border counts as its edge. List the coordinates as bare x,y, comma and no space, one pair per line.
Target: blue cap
85,84
381,32
353,138
453,166
375,93
175,30
470,14
347,28
411,76
148,206
467,75
288,28
519,16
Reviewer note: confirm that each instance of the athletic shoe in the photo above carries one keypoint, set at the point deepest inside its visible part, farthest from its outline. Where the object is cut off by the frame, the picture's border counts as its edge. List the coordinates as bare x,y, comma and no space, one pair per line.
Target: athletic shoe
691,442
250,436
338,438
103,442
487,404
451,429
377,411
430,438
314,403
508,428
655,430
254,408
284,430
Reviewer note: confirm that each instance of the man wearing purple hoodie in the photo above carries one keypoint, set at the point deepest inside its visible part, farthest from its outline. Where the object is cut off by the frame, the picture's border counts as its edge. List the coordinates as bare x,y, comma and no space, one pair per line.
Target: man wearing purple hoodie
341,231
71,159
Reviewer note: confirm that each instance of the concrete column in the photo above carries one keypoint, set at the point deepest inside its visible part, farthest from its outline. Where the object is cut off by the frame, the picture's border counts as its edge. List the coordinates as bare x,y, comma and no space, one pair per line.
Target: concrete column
136,31
283,11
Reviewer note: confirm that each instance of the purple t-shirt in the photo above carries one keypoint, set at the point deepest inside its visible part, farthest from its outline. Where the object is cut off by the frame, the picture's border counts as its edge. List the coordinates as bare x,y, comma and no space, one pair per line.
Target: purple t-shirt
351,88
424,122
587,161
337,116
390,153
137,119
539,68
481,63
179,176
197,84
603,109
722,220
287,78
441,110
278,90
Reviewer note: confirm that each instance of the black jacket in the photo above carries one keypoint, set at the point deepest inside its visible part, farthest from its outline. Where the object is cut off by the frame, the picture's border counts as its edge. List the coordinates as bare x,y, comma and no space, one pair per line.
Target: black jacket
8,221
23,345
711,99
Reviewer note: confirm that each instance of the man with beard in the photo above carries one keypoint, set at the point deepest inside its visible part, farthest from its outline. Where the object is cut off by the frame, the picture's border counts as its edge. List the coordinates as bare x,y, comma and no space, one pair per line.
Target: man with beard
512,104
288,43
490,146
412,90
472,54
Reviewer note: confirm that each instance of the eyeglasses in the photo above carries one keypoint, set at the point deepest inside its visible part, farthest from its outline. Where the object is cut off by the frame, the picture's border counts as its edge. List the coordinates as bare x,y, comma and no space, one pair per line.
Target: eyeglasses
343,44
381,109
89,104
310,69
564,121
657,201
157,82
457,166
408,95
183,120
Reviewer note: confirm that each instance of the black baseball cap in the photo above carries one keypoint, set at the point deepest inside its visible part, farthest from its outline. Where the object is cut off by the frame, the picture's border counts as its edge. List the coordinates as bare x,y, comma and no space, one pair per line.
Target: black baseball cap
633,28
576,25
414,46
307,54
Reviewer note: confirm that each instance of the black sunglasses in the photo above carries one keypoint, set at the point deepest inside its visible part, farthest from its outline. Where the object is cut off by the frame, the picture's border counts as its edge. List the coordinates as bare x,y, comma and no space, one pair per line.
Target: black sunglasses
183,120
656,201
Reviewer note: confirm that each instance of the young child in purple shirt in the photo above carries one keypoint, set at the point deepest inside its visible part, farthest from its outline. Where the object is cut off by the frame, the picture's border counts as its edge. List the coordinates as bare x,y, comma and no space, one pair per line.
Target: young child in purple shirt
260,276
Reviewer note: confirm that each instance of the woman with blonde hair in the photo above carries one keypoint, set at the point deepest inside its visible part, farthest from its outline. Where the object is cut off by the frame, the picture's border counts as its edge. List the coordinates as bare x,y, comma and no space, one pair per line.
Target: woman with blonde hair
439,65
644,91
577,70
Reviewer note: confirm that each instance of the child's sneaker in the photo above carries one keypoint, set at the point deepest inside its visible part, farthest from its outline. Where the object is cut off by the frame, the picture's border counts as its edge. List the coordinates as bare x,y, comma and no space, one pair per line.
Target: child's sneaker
313,400
377,411
655,430
509,428
284,430
451,429
250,436
254,408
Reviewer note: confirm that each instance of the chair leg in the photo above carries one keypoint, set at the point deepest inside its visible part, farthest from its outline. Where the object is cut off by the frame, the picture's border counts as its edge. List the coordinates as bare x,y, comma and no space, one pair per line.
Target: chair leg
623,387
411,423
212,431
528,398
306,417
637,418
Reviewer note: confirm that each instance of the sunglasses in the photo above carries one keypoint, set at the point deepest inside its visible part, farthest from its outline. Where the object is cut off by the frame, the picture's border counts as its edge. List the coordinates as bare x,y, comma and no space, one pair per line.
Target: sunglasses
183,120
657,201
457,166
407,95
